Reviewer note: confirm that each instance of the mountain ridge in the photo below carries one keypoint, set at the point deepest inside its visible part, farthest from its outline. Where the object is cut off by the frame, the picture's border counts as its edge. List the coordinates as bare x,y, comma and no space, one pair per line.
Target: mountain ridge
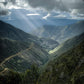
60,33
10,32
12,41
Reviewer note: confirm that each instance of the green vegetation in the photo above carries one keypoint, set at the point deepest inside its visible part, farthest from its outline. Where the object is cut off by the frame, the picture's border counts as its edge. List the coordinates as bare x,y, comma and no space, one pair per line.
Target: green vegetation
65,69
21,54
10,47
19,50
28,77
10,77
67,45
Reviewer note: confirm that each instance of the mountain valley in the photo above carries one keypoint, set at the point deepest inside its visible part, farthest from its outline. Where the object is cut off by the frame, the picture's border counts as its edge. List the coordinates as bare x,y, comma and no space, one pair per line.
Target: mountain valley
28,59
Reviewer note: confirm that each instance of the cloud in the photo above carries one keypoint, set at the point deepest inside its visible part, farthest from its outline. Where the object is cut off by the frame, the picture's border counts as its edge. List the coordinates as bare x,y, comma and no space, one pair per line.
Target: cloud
76,17
62,5
33,14
45,17
3,10
73,7
5,5
77,14
14,7
70,6
47,4
61,16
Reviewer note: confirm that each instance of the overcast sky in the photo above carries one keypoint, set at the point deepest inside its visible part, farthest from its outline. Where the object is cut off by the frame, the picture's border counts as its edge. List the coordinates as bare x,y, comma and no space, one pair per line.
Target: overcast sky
73,7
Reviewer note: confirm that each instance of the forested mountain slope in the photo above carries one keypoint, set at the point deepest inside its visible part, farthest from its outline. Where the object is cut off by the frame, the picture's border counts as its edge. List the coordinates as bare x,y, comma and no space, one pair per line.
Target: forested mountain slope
71,43
65,69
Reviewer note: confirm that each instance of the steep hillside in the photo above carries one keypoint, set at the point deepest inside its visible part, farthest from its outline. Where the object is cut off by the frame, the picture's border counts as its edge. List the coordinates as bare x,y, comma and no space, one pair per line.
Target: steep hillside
10,47
60,33
16,54
67,45
10,32
65,69
19,49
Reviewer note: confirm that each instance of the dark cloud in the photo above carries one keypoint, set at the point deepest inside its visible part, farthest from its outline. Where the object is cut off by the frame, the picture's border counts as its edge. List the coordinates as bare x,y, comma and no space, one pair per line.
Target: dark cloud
4,5
72,6
4,12
12,1
62,5
47,4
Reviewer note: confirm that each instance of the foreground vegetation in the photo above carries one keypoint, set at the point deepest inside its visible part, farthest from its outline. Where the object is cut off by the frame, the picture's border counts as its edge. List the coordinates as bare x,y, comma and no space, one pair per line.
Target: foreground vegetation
11,77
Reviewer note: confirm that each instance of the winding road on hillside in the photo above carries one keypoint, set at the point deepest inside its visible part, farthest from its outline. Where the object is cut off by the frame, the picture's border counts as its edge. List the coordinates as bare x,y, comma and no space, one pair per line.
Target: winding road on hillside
19,53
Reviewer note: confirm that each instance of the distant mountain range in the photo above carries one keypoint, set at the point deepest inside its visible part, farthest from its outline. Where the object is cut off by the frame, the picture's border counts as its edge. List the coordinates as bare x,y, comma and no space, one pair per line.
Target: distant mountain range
21,20
60,33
